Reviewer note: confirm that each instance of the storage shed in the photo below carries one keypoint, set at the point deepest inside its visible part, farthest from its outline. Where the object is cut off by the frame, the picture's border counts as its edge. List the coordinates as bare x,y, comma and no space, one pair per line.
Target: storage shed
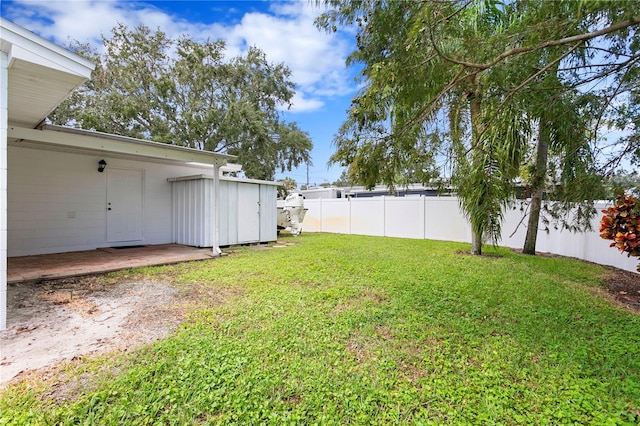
247,211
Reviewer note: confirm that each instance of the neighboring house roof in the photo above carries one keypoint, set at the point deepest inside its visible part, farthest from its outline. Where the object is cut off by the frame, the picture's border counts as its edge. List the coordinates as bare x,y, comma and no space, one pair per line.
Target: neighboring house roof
41,74
67,139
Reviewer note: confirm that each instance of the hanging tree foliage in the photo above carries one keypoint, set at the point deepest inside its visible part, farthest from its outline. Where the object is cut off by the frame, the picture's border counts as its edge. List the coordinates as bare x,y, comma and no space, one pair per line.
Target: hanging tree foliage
457,87
184,92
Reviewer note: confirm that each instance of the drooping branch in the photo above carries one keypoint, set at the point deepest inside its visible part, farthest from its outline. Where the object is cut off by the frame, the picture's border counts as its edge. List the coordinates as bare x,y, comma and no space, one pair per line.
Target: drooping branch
580,38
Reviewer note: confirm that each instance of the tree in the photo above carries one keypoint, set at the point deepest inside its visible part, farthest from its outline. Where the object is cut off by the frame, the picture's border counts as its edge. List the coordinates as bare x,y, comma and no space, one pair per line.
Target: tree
288,185
623,181
415,100
184,92
453,71
562,169
344,180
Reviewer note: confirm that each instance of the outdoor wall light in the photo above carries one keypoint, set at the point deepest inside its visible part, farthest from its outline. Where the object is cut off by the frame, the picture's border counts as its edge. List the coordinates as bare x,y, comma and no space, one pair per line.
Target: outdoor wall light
101,165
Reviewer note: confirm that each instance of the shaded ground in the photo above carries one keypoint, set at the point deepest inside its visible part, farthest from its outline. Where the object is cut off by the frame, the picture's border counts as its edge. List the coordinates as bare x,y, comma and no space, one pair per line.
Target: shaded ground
60,320
624,287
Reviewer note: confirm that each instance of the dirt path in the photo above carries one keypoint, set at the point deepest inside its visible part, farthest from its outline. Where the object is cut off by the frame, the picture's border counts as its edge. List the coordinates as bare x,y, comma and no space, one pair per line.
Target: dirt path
59,320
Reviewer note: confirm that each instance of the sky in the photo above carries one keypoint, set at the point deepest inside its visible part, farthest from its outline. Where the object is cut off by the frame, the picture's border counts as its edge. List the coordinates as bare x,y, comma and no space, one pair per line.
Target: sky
284,30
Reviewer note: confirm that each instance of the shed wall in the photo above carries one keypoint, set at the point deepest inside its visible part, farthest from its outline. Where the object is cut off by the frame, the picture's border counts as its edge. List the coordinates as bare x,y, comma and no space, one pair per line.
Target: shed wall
247,212
193,212
268,213
228,217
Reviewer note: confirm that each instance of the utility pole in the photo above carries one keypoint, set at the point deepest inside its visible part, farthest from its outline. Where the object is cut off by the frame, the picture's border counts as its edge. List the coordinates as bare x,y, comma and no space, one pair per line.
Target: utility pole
307,175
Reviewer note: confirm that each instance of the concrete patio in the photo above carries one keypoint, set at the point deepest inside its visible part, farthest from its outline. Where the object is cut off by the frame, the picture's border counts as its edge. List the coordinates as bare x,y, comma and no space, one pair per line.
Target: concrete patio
63,265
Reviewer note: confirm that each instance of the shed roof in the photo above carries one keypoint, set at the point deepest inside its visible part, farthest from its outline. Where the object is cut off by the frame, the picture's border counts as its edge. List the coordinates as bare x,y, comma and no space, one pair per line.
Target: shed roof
224,178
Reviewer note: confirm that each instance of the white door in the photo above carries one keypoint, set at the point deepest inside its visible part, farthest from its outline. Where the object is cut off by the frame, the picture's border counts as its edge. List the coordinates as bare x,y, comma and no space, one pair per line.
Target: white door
124,205
248,213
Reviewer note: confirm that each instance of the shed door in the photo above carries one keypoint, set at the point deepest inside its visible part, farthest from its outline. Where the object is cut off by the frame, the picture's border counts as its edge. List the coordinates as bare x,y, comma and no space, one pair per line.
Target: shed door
124,205
248,213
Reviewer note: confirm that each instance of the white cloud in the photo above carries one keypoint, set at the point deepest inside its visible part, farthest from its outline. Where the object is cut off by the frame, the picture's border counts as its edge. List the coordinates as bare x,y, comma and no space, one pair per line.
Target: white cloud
286,34
315,58
81,20
300,103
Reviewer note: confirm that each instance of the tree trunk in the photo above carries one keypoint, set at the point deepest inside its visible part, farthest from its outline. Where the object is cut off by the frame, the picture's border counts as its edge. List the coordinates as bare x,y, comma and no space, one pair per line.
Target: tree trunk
476,244
537,190
475,109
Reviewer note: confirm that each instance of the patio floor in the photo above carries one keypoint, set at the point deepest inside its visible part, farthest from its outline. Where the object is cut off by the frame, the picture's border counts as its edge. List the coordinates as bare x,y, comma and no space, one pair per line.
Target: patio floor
63,265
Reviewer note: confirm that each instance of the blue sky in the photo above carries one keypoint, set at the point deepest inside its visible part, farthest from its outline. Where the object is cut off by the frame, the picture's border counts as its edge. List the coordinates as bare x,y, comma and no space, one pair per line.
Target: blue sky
284,30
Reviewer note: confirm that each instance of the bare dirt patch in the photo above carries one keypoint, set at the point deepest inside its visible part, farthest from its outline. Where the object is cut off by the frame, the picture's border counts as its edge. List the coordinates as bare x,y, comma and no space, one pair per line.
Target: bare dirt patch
624,287
53,321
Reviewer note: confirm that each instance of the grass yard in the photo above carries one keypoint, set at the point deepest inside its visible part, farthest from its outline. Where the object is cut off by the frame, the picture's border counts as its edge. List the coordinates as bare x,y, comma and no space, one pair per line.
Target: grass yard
363,330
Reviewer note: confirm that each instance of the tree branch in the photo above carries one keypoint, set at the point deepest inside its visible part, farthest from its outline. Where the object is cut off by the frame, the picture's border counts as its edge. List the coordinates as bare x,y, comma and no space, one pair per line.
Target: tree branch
518,50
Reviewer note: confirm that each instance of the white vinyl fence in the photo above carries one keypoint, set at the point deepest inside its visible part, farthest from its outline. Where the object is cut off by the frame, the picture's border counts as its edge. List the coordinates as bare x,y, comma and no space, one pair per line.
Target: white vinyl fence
440,218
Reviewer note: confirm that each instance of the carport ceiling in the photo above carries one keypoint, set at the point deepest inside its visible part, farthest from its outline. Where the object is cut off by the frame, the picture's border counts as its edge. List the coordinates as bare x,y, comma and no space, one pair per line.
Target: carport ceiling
40,74
35,90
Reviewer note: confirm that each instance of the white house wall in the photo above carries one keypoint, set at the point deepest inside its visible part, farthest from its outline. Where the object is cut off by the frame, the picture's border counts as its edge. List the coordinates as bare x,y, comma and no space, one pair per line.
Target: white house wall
57,201
4,126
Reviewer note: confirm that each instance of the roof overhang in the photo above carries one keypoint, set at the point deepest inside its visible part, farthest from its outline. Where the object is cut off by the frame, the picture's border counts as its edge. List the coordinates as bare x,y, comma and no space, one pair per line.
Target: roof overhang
225,178
64,139
41,74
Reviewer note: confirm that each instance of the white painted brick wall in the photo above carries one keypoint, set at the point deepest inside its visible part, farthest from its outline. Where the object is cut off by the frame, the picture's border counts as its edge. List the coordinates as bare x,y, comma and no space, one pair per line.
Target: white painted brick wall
4,77
46,187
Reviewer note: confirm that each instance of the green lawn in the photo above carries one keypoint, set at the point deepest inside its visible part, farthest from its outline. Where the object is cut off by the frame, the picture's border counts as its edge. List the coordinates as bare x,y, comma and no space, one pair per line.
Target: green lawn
363,330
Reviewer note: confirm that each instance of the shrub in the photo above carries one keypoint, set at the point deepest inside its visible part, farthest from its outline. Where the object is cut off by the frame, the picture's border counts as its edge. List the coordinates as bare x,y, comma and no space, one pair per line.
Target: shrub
621,223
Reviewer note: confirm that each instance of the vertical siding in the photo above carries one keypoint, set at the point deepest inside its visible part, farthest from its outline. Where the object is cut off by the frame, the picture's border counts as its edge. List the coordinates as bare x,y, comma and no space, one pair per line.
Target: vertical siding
223,215
248,213
238,204
268,213
193,212
228,213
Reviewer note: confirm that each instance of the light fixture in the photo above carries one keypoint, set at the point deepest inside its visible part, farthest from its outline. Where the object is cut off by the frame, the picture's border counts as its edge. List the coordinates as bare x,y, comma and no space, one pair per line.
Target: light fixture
101,165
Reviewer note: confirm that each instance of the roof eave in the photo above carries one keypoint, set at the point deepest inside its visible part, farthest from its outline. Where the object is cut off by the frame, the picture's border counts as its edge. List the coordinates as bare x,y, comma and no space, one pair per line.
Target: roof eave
104,143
